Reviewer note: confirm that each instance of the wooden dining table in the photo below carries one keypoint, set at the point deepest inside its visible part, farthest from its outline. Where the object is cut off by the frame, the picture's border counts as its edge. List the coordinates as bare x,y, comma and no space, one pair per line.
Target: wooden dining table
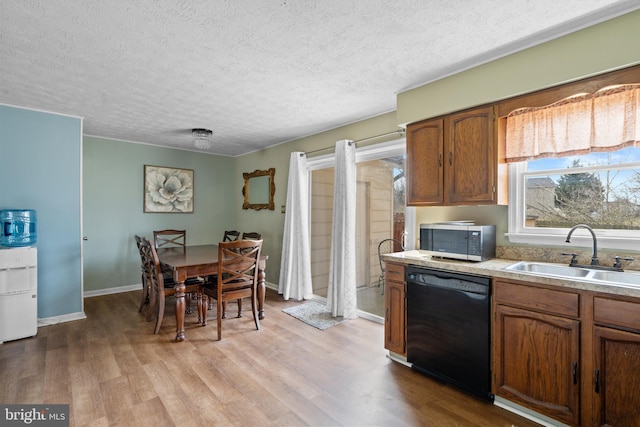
200,261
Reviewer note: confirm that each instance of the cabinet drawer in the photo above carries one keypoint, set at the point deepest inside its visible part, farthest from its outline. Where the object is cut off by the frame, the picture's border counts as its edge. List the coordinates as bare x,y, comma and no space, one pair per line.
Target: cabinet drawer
540,299
394,272
613,312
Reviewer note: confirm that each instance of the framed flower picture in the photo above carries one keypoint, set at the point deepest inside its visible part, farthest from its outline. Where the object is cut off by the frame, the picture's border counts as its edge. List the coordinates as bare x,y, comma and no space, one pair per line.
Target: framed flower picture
168,190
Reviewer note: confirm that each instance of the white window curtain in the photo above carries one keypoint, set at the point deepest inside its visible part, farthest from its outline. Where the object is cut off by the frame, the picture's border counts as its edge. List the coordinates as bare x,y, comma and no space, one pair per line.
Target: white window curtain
295,267
605,121
342,294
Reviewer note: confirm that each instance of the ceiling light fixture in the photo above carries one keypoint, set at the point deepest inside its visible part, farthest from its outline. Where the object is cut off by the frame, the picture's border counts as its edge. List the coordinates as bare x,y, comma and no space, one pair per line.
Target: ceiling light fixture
202,138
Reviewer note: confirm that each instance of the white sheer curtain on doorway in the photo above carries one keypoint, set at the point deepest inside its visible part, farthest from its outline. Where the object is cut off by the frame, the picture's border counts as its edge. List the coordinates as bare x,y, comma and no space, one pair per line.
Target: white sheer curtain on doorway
342,293
295,267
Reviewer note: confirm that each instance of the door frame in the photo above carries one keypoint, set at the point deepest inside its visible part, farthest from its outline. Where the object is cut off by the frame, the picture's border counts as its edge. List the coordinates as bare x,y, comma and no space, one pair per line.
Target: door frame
370,152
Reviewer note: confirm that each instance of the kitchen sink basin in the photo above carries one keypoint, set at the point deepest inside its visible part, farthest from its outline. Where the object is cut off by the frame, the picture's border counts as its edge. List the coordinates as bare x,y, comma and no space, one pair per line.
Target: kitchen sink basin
617,277
614,278
548,269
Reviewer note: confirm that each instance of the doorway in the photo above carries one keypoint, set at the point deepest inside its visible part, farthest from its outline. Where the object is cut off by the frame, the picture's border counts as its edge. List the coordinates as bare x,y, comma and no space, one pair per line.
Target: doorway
380,214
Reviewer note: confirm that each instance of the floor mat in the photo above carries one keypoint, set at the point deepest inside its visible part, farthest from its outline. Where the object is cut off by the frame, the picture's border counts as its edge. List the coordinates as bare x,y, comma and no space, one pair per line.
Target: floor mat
315,314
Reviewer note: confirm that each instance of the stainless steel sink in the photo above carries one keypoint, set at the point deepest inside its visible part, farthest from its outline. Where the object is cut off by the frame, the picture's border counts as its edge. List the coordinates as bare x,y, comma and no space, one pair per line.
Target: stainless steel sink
544,269
604,277
617,277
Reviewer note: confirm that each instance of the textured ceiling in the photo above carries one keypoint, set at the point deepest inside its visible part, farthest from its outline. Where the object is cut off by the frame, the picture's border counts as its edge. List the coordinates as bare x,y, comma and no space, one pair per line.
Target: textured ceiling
257,73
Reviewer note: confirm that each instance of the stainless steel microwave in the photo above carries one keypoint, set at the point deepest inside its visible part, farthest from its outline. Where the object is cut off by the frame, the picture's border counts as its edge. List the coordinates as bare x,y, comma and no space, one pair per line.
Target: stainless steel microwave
459,240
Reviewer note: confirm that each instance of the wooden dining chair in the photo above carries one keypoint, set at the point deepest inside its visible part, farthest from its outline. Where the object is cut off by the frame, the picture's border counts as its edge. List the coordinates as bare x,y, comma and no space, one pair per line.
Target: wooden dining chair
144,252
386,246
148,272
163,288
230,235
237,277
169,238
251,235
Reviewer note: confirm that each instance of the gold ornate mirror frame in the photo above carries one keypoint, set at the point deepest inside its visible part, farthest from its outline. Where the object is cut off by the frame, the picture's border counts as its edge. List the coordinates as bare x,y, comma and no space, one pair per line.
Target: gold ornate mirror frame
258,186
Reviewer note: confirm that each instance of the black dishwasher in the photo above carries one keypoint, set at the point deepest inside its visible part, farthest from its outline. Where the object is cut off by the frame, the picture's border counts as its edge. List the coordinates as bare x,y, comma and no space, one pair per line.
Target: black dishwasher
448,328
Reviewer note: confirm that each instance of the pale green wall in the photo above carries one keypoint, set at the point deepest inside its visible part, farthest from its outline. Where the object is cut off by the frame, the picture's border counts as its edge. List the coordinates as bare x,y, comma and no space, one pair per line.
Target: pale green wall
603,47
271,223
595,50
113,211
110,258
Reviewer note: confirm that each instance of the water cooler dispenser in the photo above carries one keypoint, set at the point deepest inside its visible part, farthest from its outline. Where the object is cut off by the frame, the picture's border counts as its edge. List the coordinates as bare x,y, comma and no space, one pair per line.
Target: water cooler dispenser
18,275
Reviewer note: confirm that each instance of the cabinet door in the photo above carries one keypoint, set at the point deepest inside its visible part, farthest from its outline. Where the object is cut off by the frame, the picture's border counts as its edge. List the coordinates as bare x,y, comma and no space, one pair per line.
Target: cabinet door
471,158
394,322
616,379
536,362
425,176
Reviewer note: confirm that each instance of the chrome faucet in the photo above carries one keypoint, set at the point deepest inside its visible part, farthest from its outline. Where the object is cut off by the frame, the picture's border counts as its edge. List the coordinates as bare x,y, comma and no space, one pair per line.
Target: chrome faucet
594,257
617,265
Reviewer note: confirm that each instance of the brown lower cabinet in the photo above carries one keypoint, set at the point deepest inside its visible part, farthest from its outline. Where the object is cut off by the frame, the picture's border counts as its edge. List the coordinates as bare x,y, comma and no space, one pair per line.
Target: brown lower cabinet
571,355
536,353
395,318
615,380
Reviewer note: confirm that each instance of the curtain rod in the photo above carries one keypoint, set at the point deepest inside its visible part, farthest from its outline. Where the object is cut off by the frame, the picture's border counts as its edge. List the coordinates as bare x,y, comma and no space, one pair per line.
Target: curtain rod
400,131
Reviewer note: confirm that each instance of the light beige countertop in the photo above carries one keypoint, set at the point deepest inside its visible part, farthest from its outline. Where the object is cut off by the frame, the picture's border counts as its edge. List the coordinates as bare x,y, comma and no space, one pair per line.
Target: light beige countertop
495,268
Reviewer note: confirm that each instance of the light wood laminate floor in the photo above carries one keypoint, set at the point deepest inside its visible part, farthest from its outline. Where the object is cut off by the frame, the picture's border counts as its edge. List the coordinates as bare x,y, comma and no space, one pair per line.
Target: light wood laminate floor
113,371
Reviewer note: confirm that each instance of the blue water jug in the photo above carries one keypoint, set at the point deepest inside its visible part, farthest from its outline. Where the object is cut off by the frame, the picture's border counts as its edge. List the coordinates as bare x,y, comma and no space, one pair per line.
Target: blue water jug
18,227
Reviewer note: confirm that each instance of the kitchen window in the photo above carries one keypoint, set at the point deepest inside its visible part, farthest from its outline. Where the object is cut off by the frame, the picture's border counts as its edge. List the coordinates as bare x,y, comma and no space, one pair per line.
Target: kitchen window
549,196
579,162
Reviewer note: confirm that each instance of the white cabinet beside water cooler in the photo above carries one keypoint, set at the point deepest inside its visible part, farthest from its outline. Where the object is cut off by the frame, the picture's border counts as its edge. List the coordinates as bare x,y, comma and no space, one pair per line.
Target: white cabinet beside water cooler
18,293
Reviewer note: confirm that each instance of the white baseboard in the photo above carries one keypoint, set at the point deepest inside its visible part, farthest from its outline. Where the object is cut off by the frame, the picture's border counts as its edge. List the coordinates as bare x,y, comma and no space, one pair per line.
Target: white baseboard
527,413
129,288
47,321
398,358
109,291
273,286
371,317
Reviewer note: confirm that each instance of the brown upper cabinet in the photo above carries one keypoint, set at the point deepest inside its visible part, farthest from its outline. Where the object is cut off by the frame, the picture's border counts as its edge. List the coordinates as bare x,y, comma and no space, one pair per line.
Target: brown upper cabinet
453,160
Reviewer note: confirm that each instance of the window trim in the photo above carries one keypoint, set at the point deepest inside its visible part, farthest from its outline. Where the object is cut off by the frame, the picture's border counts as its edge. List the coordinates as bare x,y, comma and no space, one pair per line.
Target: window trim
518,233
540,98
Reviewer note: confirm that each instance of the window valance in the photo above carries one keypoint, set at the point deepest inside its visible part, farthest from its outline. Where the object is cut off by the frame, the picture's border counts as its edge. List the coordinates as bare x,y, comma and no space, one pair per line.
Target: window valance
604,121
